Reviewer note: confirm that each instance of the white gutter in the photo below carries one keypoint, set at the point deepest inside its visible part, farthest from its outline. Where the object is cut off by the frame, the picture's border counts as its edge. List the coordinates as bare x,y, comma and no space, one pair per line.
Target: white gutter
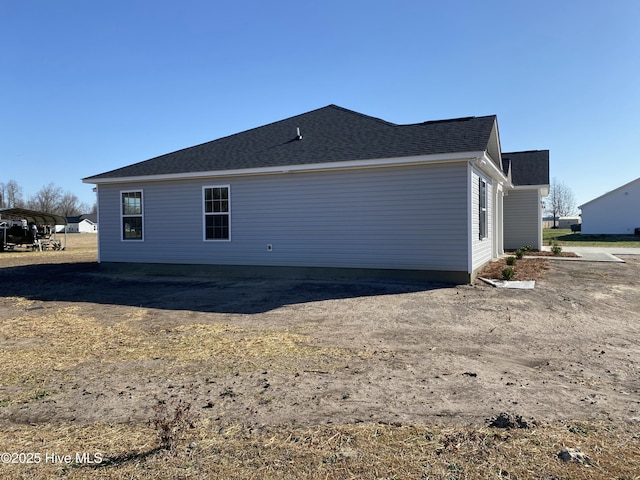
380,162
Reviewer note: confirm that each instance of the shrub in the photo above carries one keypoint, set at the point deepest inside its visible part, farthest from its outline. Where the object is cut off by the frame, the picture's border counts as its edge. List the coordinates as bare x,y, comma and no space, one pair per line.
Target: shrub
172,419
511,261
526,248
519,254
508,273
555,248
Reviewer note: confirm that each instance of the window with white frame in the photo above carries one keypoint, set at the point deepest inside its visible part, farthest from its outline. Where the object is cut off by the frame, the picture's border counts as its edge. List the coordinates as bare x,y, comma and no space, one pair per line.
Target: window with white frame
132,215
217,212
482,208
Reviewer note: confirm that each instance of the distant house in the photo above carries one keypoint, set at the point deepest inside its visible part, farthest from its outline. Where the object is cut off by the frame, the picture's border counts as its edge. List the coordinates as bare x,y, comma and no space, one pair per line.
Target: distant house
82,223
529,174
615,212
568,222
329,191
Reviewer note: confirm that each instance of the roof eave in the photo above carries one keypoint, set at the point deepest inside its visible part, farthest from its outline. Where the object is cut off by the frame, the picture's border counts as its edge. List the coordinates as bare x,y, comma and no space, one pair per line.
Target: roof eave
311,167
485,163
544,189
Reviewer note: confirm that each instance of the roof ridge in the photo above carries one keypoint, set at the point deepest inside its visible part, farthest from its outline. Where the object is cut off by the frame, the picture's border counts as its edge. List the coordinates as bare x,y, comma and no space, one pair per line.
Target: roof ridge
326,107
353,112
451,120
526,151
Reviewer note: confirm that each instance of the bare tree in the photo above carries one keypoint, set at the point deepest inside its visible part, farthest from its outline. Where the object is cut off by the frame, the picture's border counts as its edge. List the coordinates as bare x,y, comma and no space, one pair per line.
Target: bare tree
47,199
69,205
560,202
50,199
10,194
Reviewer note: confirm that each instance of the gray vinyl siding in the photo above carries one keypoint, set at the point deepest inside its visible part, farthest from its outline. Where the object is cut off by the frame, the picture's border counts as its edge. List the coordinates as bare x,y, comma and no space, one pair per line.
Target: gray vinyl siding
522,219
481,249
389,218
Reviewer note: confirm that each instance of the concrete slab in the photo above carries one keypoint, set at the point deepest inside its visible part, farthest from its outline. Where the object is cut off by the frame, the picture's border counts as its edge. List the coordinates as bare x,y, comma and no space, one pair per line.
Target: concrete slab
512,284
595,254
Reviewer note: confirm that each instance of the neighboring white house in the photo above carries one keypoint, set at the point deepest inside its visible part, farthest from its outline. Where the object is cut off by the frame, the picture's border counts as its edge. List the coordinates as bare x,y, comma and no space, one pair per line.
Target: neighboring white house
83,223
331,191
615,212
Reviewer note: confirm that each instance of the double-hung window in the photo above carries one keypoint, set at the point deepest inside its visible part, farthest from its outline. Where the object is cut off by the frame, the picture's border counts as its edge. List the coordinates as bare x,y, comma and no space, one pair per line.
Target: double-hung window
217,212
132,215
482,208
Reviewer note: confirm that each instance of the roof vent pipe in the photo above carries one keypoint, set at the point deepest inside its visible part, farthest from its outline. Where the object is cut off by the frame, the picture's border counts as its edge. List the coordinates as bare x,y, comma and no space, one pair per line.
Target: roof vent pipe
298,134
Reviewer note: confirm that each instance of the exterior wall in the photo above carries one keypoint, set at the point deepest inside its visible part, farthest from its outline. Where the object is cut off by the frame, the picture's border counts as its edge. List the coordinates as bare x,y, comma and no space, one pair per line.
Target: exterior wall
412,218
522,219
481,249
617,212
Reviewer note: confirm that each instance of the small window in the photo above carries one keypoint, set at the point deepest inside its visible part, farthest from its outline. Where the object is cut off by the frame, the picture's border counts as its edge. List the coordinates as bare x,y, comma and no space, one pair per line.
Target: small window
132,215
217,210
482,204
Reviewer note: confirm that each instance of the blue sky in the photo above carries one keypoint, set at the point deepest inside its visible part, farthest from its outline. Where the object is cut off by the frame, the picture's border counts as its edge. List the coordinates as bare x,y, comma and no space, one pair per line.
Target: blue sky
88,86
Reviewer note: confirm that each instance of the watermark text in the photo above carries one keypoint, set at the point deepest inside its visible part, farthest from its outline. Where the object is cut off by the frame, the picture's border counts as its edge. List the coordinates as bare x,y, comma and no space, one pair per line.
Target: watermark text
79,458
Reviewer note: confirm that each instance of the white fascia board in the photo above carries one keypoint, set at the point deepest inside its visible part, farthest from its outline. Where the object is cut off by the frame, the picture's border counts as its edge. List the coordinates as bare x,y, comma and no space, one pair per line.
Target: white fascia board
379,162
544,189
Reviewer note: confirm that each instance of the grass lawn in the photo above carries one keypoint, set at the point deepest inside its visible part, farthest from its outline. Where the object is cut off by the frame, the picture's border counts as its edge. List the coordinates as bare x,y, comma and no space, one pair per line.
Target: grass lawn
568,238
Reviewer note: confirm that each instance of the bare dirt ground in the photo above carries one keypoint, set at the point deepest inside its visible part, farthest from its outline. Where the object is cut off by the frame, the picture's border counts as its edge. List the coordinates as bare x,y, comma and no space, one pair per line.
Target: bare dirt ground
81,347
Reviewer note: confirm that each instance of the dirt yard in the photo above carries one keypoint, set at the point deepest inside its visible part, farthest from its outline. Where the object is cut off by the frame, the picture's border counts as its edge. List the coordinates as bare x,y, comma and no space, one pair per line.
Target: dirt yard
81,348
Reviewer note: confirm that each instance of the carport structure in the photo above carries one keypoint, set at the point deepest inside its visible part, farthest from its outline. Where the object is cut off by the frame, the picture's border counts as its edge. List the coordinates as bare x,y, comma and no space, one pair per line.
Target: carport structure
32,216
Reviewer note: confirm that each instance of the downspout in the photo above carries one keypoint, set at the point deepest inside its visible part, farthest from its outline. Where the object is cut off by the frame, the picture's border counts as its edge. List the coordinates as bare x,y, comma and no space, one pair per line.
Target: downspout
540,214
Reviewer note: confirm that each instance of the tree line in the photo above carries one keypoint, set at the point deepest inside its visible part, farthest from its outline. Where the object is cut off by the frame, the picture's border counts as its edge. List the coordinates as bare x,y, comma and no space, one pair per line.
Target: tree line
49,199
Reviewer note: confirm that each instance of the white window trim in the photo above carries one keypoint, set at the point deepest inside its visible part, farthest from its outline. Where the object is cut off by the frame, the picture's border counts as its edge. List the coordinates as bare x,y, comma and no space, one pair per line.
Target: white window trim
204,214
483,214
122,216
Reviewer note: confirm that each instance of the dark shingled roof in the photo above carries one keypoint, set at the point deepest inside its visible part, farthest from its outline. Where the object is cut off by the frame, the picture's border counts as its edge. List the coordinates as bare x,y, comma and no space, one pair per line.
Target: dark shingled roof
329,134
527,168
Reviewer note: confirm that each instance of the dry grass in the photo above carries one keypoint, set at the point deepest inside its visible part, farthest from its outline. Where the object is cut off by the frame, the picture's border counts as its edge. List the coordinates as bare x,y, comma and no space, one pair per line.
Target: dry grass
37,345
368,451
81,246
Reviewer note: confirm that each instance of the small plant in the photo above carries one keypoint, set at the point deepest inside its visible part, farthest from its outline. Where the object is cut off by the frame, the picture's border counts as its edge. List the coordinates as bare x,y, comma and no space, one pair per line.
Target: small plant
555,248
40,394
508,273
511,261
578,430
171,420
228,392
519,254
526,248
